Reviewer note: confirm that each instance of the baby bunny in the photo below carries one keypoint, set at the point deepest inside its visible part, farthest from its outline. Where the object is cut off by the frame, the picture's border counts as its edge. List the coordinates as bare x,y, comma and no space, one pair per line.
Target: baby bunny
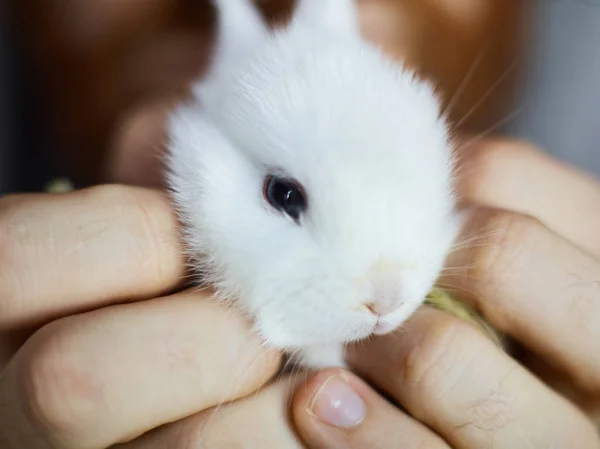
314,179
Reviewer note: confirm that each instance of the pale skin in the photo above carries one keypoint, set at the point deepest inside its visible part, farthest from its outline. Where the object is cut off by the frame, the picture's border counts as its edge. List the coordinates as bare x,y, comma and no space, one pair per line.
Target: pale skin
99,348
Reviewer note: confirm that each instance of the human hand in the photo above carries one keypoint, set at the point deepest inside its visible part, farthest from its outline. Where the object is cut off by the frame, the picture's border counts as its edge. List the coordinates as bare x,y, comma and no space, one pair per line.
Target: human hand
530,264
95,346
446,384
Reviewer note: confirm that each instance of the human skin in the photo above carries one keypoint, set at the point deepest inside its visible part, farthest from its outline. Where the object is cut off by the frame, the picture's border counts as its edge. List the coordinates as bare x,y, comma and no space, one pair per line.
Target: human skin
97,344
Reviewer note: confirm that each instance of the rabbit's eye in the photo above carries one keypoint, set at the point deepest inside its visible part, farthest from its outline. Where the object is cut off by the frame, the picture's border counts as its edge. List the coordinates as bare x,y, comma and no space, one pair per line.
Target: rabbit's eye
285,195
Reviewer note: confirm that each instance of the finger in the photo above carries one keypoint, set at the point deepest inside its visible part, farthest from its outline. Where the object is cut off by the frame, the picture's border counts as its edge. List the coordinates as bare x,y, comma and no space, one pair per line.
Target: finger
517,176
107,376
455,380
534,286
561,382
72,252
336,410
259,421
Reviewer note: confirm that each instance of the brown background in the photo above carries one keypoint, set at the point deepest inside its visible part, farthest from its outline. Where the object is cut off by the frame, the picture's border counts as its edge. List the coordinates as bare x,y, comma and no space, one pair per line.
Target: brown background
96,60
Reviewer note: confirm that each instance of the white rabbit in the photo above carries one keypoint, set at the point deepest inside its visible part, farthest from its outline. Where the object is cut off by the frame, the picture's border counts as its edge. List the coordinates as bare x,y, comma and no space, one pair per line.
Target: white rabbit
314,179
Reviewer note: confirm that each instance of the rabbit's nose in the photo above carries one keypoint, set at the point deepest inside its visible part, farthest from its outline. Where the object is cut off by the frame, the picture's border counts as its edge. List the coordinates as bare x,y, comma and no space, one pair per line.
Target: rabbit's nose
383,298
382,292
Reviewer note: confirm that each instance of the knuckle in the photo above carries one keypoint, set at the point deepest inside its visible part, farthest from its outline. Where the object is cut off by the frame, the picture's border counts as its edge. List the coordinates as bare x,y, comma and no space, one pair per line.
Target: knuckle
493,412
52,387
492,161
107,193
435,370
501,151
426,366
144,214
503,256
160,236
482,165
123,199
488,156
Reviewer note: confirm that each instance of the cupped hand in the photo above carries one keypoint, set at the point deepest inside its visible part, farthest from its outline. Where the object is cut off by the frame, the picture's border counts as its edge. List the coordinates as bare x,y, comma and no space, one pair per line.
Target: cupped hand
96,345
530,263
530,266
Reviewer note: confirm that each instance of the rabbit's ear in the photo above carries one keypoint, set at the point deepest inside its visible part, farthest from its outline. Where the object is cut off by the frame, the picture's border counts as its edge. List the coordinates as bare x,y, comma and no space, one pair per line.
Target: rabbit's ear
241,29
337,16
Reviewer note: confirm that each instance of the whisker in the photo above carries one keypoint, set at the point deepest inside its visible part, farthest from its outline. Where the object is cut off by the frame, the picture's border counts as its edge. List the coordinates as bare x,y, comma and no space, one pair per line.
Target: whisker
466,79
487,94
456,271
454,287
474,246
501,122
476,240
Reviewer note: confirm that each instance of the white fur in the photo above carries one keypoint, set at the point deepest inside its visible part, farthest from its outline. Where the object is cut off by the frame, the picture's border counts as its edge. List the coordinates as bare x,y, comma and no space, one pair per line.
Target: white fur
363,136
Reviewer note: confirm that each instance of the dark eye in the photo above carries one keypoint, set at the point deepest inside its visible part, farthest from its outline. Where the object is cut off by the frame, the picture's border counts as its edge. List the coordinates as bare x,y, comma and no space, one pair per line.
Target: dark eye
285,195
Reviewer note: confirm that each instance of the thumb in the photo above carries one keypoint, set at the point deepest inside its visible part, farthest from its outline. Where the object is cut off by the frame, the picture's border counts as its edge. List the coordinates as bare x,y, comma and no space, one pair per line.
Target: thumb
335,409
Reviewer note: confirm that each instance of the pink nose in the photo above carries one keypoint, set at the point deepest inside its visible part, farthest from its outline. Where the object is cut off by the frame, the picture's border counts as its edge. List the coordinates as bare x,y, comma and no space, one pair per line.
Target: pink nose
383,298
383,292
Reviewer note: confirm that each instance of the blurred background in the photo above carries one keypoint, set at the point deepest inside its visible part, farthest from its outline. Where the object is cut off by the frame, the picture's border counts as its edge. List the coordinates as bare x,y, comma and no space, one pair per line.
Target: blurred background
77,78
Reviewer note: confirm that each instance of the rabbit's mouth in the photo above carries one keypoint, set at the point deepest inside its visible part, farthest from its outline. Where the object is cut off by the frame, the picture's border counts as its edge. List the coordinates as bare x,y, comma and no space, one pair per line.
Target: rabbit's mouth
384,327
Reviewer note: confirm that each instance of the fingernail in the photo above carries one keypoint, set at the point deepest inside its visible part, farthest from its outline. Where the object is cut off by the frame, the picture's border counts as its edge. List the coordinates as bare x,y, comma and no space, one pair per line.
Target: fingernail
337,404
